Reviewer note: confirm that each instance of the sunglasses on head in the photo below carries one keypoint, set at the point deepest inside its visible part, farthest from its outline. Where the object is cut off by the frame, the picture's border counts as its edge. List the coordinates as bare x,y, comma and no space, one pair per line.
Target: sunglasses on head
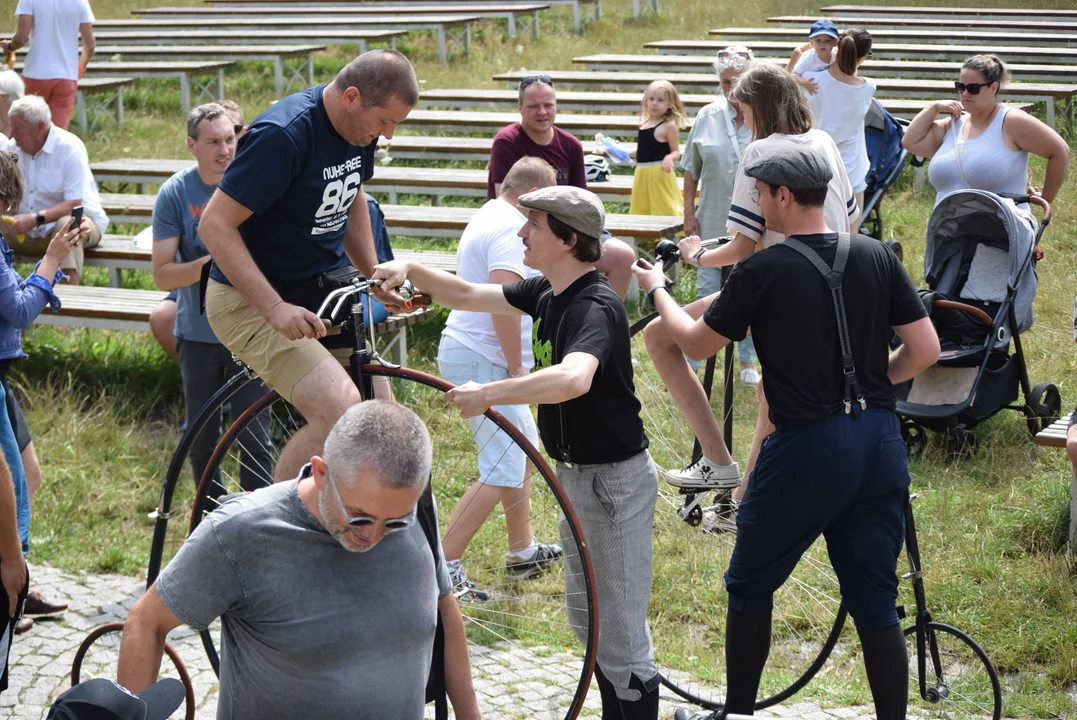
532,79
361,521
727,54
973,88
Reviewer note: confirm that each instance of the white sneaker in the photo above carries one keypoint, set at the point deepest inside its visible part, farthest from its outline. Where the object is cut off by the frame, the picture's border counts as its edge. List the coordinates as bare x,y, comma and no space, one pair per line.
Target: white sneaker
749,376
705,474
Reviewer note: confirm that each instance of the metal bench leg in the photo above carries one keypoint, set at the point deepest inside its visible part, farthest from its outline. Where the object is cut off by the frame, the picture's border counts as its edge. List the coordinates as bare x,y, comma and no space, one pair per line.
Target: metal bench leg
442,56
278,75
185,93
398,348
1051,113
534,26
119,106
80,107
512,25
115,277
220,81
310,68
577,23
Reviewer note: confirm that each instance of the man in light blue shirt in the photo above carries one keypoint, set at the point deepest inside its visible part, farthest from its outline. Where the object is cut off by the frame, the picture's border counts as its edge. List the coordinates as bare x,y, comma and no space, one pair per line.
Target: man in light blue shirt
178,257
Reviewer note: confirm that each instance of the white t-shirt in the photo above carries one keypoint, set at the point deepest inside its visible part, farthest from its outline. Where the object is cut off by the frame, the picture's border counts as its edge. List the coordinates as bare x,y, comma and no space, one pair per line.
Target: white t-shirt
810,62
840,208
490,242
60,171
838,109
54,41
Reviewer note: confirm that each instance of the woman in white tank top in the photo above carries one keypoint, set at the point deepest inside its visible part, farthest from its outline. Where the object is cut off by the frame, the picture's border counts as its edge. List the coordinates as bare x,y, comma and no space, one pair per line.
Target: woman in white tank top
978,143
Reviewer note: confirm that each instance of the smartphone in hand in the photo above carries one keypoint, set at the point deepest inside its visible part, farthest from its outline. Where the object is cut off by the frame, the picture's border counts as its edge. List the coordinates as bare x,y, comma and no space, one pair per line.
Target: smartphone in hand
76,218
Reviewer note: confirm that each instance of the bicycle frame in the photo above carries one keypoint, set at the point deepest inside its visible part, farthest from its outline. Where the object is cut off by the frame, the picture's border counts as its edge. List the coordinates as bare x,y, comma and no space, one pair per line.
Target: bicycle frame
923,615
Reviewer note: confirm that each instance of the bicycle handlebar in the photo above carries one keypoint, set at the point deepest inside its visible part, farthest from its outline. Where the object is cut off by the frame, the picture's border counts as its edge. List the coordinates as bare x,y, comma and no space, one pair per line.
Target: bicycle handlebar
668,253
359,285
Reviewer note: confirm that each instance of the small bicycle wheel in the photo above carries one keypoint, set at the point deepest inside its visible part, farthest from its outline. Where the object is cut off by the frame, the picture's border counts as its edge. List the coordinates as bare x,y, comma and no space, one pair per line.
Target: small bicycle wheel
959,679
532,645
179,486
99,657
689,625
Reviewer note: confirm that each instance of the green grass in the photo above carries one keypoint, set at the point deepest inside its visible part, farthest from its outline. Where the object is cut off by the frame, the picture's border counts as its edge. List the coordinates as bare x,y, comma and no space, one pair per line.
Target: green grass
105,409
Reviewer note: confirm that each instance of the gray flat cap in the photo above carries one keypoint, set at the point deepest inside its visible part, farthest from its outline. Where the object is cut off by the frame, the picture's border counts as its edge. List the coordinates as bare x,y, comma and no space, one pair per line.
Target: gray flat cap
791,165
580,209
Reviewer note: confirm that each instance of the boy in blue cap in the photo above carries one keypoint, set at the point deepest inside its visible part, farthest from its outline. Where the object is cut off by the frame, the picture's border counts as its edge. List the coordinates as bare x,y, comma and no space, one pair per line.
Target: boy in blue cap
816,54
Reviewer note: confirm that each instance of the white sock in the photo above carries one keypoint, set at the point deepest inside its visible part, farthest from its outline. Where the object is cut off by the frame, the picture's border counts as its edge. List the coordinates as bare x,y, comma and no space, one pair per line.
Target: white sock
526,553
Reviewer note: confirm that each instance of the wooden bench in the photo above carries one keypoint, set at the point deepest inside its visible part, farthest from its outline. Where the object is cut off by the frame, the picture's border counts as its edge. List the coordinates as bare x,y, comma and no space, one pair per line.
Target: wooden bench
1039,26
453,31
949,12
296,60
904,88
627,102
987,39
389,180
578,14
1055,436
430,148
527,13
457,121
105,95
186,71
360,38
119,253
612,71
416,220
898,51
124,309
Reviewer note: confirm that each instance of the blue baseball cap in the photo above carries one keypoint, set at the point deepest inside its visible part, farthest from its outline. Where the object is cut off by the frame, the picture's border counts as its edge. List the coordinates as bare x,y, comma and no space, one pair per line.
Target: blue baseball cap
823,27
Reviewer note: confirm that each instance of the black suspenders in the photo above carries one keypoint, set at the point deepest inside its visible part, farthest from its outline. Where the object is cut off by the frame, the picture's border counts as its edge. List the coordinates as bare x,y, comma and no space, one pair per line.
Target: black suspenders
833,277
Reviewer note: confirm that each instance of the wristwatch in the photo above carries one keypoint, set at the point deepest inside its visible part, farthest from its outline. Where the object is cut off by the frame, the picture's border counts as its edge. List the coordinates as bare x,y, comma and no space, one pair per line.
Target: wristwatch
41,218
698,254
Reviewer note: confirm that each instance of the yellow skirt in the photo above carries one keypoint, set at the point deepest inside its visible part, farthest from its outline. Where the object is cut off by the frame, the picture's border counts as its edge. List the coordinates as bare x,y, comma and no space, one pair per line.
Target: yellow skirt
655,192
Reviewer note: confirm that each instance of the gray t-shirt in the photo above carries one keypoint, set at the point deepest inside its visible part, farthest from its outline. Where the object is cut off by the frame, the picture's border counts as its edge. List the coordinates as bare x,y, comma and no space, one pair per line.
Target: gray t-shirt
309,629
176,212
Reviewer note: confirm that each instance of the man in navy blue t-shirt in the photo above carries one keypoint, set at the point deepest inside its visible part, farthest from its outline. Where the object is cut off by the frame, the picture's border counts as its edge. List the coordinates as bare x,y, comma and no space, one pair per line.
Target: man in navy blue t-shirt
284,214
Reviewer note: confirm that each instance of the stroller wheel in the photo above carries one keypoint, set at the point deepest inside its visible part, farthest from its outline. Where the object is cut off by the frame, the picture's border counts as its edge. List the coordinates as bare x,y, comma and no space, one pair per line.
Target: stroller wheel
915,440
1043,408
895,247
960,442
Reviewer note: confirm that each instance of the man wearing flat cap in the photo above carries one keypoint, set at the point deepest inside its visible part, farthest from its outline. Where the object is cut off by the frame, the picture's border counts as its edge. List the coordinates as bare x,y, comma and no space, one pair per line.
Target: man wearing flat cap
588,418
835,465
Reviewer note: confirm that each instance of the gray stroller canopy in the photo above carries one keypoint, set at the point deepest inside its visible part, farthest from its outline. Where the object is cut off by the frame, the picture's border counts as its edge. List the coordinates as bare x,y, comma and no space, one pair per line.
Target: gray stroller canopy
976,225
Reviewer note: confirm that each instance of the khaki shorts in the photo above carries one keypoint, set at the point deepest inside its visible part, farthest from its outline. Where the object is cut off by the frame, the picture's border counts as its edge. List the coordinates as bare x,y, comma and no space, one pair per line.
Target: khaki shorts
74,260
280,362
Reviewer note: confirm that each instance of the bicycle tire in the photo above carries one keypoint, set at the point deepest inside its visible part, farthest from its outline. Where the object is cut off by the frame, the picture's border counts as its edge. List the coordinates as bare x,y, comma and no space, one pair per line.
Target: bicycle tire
571,667
167,537
97,638
980,697
809,619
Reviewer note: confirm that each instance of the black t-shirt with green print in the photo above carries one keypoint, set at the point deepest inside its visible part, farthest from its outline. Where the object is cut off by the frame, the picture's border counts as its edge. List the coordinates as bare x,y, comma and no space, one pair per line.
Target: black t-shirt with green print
603,425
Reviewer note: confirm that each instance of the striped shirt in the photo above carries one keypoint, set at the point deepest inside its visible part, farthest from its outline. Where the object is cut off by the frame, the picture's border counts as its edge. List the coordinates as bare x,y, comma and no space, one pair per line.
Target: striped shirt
840,209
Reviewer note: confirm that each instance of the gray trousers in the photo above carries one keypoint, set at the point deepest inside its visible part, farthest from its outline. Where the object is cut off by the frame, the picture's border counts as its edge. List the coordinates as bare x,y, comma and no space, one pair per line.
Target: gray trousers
615,505
205,368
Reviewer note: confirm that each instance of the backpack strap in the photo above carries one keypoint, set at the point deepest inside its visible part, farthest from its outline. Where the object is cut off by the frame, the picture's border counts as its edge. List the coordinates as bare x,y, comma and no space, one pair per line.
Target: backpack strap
435,684
833,277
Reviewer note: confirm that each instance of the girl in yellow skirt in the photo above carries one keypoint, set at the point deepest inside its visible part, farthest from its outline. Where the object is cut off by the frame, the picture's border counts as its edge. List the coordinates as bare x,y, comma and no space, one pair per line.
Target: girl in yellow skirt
654,187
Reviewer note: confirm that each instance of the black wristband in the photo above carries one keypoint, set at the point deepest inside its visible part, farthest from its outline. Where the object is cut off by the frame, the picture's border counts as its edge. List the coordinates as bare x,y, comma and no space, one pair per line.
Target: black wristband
41,218
650,293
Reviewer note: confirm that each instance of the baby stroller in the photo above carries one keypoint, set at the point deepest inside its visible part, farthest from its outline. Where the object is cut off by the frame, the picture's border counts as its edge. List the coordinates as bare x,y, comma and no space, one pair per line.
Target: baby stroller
883,133
980,266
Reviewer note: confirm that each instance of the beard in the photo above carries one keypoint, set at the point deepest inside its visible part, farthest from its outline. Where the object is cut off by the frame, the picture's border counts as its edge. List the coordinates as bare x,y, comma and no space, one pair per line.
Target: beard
341,531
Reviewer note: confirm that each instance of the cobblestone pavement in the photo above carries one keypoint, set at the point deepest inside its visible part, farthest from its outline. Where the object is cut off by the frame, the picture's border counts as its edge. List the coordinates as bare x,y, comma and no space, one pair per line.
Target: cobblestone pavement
41,659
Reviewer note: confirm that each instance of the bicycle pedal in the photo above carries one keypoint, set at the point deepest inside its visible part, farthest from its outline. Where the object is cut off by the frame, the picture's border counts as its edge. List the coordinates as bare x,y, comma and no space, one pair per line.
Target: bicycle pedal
691,504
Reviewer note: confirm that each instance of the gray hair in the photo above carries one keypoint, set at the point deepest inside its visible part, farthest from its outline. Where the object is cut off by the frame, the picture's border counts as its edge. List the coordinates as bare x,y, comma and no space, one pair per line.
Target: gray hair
379,76
209,111
382,436
33,110
529,172
11,84
737,62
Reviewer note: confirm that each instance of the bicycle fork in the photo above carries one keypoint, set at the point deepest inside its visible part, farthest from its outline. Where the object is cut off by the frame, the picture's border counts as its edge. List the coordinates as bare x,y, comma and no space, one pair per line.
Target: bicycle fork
925,635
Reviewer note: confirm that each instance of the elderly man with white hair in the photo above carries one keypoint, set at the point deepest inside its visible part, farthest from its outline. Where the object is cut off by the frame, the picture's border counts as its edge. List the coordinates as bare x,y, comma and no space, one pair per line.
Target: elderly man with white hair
11,89
57,174
327,586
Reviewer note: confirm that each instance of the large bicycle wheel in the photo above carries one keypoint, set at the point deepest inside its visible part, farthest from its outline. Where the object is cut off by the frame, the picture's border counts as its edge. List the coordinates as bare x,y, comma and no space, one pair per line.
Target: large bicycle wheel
959,679
99,657
532,648
179,487
689,624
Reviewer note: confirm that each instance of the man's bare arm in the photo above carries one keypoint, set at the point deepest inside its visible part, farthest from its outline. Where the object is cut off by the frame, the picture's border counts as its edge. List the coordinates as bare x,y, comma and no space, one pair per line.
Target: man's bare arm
919,350
144,633
88,46
446,289
169,273
457,666
507,327
569,379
